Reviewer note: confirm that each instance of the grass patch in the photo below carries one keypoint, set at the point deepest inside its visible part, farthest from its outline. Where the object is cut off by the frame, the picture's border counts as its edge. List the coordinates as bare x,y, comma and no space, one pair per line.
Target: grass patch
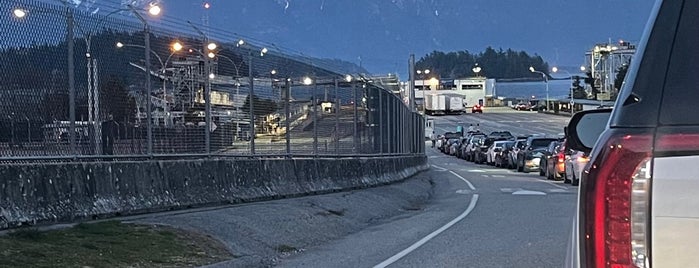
109,244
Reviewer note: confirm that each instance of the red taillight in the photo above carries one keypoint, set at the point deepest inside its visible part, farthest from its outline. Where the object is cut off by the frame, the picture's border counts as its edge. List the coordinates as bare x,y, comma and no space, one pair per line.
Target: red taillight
616,201
561,157
677,142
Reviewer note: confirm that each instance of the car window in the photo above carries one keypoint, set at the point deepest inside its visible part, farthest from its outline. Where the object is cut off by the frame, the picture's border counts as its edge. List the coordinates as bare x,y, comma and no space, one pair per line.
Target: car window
682,84
541,143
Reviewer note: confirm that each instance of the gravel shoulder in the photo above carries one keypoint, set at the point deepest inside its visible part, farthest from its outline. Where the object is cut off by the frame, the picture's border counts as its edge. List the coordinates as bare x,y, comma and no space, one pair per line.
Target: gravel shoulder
260,234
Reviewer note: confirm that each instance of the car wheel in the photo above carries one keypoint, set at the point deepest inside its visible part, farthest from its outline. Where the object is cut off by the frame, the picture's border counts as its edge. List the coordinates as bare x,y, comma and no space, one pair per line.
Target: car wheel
565,179
541,172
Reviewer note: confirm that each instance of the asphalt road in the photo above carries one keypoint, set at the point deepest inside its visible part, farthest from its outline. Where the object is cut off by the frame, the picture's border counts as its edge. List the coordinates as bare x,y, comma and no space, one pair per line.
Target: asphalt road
504,118
479,216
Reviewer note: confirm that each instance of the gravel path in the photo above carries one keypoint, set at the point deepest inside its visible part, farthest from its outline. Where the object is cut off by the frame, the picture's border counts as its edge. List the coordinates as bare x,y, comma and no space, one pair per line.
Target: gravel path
259,234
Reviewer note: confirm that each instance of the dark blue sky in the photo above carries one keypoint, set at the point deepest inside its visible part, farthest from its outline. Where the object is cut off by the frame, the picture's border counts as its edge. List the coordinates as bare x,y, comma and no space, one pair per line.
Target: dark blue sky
384,32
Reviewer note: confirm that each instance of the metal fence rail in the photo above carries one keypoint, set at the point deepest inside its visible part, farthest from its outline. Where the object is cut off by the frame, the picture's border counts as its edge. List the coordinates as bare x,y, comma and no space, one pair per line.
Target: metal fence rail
107,84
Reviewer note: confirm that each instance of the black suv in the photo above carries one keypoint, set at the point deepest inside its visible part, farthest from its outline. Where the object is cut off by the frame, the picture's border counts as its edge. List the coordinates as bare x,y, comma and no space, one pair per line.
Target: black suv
638,193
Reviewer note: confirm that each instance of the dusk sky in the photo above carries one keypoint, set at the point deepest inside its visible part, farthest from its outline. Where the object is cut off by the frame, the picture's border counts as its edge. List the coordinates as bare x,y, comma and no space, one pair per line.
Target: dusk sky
382,33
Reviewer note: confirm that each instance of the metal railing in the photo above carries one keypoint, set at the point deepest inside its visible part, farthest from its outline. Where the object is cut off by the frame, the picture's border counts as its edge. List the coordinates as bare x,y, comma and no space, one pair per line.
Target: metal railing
80,85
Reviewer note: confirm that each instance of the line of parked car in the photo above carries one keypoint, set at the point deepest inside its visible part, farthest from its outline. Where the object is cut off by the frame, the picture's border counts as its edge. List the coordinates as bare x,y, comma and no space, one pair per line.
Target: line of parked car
546,155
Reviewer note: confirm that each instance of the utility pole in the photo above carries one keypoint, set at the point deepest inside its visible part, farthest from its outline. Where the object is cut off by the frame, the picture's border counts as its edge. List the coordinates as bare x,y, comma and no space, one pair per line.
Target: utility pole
411,84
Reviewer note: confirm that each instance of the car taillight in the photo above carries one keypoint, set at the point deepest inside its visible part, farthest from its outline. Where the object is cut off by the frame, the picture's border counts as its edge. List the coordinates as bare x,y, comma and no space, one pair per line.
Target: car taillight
561,157
616,201
583,159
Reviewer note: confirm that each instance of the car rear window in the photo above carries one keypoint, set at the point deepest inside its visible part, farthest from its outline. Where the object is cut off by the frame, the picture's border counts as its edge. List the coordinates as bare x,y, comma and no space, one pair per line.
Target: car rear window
681,92
541,143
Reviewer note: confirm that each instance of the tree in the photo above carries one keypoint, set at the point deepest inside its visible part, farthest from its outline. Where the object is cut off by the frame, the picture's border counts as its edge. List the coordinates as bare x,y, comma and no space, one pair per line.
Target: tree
578,90
494,63
591,81
620,75
262,107
115,100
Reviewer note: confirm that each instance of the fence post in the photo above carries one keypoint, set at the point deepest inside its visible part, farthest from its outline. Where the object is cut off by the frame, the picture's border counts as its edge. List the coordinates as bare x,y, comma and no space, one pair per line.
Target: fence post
149,105
71,78
207,100
401,116
422,130
337,119
315,117
407,125
380,113
287,88
251,105
390,113
355,120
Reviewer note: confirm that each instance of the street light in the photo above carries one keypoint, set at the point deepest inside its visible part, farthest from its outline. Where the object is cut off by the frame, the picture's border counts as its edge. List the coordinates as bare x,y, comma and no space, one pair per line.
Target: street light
546,81
262,51
307,81
19,13
572,101
237,92
422,74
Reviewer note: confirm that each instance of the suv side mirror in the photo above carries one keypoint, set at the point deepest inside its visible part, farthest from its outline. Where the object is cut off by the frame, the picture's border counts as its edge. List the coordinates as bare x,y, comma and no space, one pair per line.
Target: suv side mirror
585,128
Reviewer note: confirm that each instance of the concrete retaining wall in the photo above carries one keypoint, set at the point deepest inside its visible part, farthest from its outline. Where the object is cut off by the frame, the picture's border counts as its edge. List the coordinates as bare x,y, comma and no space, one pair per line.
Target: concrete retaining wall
49,193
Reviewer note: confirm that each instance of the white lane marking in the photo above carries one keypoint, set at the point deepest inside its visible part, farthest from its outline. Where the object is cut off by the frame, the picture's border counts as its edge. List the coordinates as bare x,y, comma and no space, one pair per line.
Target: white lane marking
471,206
439,168
554,185
427,238
463,179
476,170
527,192
510,190
485,176
557,190
498,176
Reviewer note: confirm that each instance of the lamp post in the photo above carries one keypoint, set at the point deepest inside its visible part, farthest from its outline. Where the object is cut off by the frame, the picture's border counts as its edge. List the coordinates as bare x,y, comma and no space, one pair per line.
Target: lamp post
153,10
422,74
237,93
572,100
263,52
209,48
93,76
546,81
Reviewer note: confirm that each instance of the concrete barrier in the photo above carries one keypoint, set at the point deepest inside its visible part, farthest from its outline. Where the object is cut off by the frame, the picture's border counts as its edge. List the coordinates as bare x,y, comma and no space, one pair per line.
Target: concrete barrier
66,192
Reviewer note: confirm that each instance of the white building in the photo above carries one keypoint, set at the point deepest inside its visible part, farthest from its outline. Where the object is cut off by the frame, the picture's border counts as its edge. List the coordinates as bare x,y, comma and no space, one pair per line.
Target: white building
475,89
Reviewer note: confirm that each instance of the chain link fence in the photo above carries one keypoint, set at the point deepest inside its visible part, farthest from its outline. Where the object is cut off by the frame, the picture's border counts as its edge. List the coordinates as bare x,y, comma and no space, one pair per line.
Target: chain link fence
114,83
